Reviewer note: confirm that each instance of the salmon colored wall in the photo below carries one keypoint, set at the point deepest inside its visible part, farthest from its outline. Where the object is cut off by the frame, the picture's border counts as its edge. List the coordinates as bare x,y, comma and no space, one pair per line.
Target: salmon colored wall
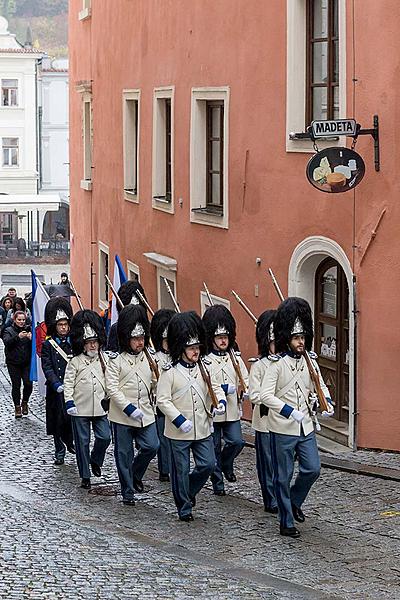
146,44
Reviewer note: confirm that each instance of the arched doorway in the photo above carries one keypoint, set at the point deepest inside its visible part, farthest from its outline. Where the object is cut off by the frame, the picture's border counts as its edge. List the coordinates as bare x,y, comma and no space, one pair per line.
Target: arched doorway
331,319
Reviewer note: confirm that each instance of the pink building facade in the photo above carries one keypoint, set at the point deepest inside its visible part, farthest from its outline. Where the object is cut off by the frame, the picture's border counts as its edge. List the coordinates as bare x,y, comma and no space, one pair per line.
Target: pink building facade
182,163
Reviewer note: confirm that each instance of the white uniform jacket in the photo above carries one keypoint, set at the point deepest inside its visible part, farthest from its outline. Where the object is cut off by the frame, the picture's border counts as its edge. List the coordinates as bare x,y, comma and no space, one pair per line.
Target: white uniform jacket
84,385
162,359
286,386
257,371
182,394
222,372
129,383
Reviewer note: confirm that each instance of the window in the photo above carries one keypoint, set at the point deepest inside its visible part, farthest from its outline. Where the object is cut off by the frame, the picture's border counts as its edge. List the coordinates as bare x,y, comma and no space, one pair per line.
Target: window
316,67
103,271
205,303
86,10
322,101
9,92
131,144
209,156
87,139
133,271
162,177
10,152
164,297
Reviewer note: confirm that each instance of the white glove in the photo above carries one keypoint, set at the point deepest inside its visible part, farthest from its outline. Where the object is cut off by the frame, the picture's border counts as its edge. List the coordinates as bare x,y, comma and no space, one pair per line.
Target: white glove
137,414
186,426
73,411
330,412
219,410
297,415
245,396
60,389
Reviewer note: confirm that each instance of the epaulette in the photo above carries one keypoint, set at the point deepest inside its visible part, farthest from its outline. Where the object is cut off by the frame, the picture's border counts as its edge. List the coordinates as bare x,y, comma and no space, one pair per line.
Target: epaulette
206,360
238,353
151,350
111,354
313,355
274,357
253,360
167,366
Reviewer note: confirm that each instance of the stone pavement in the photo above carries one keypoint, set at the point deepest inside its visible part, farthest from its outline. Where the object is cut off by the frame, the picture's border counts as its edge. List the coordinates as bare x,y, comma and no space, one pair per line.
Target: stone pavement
58,541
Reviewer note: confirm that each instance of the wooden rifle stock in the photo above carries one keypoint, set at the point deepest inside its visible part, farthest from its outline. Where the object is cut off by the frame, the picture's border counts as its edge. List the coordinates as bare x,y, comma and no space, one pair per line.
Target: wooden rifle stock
313,374
152,363
204,373
232,355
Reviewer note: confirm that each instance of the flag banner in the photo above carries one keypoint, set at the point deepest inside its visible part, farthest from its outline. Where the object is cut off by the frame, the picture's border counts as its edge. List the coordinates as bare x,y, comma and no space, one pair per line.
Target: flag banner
39,301
118,279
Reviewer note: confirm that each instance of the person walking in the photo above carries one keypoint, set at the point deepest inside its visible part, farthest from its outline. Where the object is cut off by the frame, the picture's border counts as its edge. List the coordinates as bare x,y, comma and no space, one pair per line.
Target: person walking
17,340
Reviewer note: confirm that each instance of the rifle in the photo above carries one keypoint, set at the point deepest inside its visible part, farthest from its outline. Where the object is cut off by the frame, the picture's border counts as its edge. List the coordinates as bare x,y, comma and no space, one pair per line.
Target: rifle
144,301
152,363
204,373
77,296
245,307
232,356
313,374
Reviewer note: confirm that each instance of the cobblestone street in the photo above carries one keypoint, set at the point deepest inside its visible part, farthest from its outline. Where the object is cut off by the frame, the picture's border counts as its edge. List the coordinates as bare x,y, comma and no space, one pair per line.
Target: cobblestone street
58,541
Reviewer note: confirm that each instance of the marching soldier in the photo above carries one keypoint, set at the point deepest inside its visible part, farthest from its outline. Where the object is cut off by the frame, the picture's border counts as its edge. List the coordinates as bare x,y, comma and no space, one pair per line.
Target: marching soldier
158,333
127,294
220,327
55,355
84,391
287,390
129,384
182,395
266,349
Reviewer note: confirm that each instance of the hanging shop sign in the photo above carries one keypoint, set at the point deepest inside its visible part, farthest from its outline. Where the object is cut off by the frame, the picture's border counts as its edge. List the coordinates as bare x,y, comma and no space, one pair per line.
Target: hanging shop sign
335,170
334,128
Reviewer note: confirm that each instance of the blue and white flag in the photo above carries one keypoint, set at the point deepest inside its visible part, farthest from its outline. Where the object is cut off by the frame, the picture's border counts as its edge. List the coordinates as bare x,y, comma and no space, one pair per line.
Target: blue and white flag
118,279
39,300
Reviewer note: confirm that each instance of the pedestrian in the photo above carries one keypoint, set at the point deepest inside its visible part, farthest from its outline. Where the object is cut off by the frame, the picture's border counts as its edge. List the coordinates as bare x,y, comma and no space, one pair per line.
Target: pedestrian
259,366
220,327
127,295
17,340
64,279
130,383
84,391
12,293
18,305
159,332
182,395
6,305
287,390
55,354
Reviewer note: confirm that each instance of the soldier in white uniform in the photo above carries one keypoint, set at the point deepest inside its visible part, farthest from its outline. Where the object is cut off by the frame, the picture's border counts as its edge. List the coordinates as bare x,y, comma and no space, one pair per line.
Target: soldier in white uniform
158,333
130,382
259,366
127,293
182,395
84,391
287,390
220,329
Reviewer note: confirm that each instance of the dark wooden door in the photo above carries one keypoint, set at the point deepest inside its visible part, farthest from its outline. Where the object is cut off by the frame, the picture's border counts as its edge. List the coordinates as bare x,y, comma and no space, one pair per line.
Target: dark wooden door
332,333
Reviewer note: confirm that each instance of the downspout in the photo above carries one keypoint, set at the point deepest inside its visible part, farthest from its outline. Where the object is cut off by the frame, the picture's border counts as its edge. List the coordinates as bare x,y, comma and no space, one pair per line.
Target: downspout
355,356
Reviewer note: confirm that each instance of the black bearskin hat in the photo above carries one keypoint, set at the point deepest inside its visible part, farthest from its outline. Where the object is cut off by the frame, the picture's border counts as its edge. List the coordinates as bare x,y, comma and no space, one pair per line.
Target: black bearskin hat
79,320
290,312
219,318
52,313
159,324
263,332
131,316
127,291
184,328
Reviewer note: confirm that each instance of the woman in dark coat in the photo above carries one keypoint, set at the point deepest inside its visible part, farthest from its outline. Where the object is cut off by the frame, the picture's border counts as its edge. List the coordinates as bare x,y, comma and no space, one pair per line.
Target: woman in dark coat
18,348
56,351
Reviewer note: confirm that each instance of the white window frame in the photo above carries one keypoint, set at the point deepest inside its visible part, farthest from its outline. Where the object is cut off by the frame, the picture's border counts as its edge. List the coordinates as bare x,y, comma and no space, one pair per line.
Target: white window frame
87,140
198,161
204,302
17,105
158,183
103,303
86,11
11,166
296,74
131,134
168,274
131,267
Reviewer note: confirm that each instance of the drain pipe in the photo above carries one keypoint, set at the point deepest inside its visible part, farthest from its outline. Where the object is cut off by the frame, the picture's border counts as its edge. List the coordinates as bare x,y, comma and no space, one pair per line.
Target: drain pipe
355,380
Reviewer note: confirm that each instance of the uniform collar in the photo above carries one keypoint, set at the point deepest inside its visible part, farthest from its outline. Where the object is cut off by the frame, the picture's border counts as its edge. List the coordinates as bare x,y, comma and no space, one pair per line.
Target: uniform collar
186,364
219,352
292,354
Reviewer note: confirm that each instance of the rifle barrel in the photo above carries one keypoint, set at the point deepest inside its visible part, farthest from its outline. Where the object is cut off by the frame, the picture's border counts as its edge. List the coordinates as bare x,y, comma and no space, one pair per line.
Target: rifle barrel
245,307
